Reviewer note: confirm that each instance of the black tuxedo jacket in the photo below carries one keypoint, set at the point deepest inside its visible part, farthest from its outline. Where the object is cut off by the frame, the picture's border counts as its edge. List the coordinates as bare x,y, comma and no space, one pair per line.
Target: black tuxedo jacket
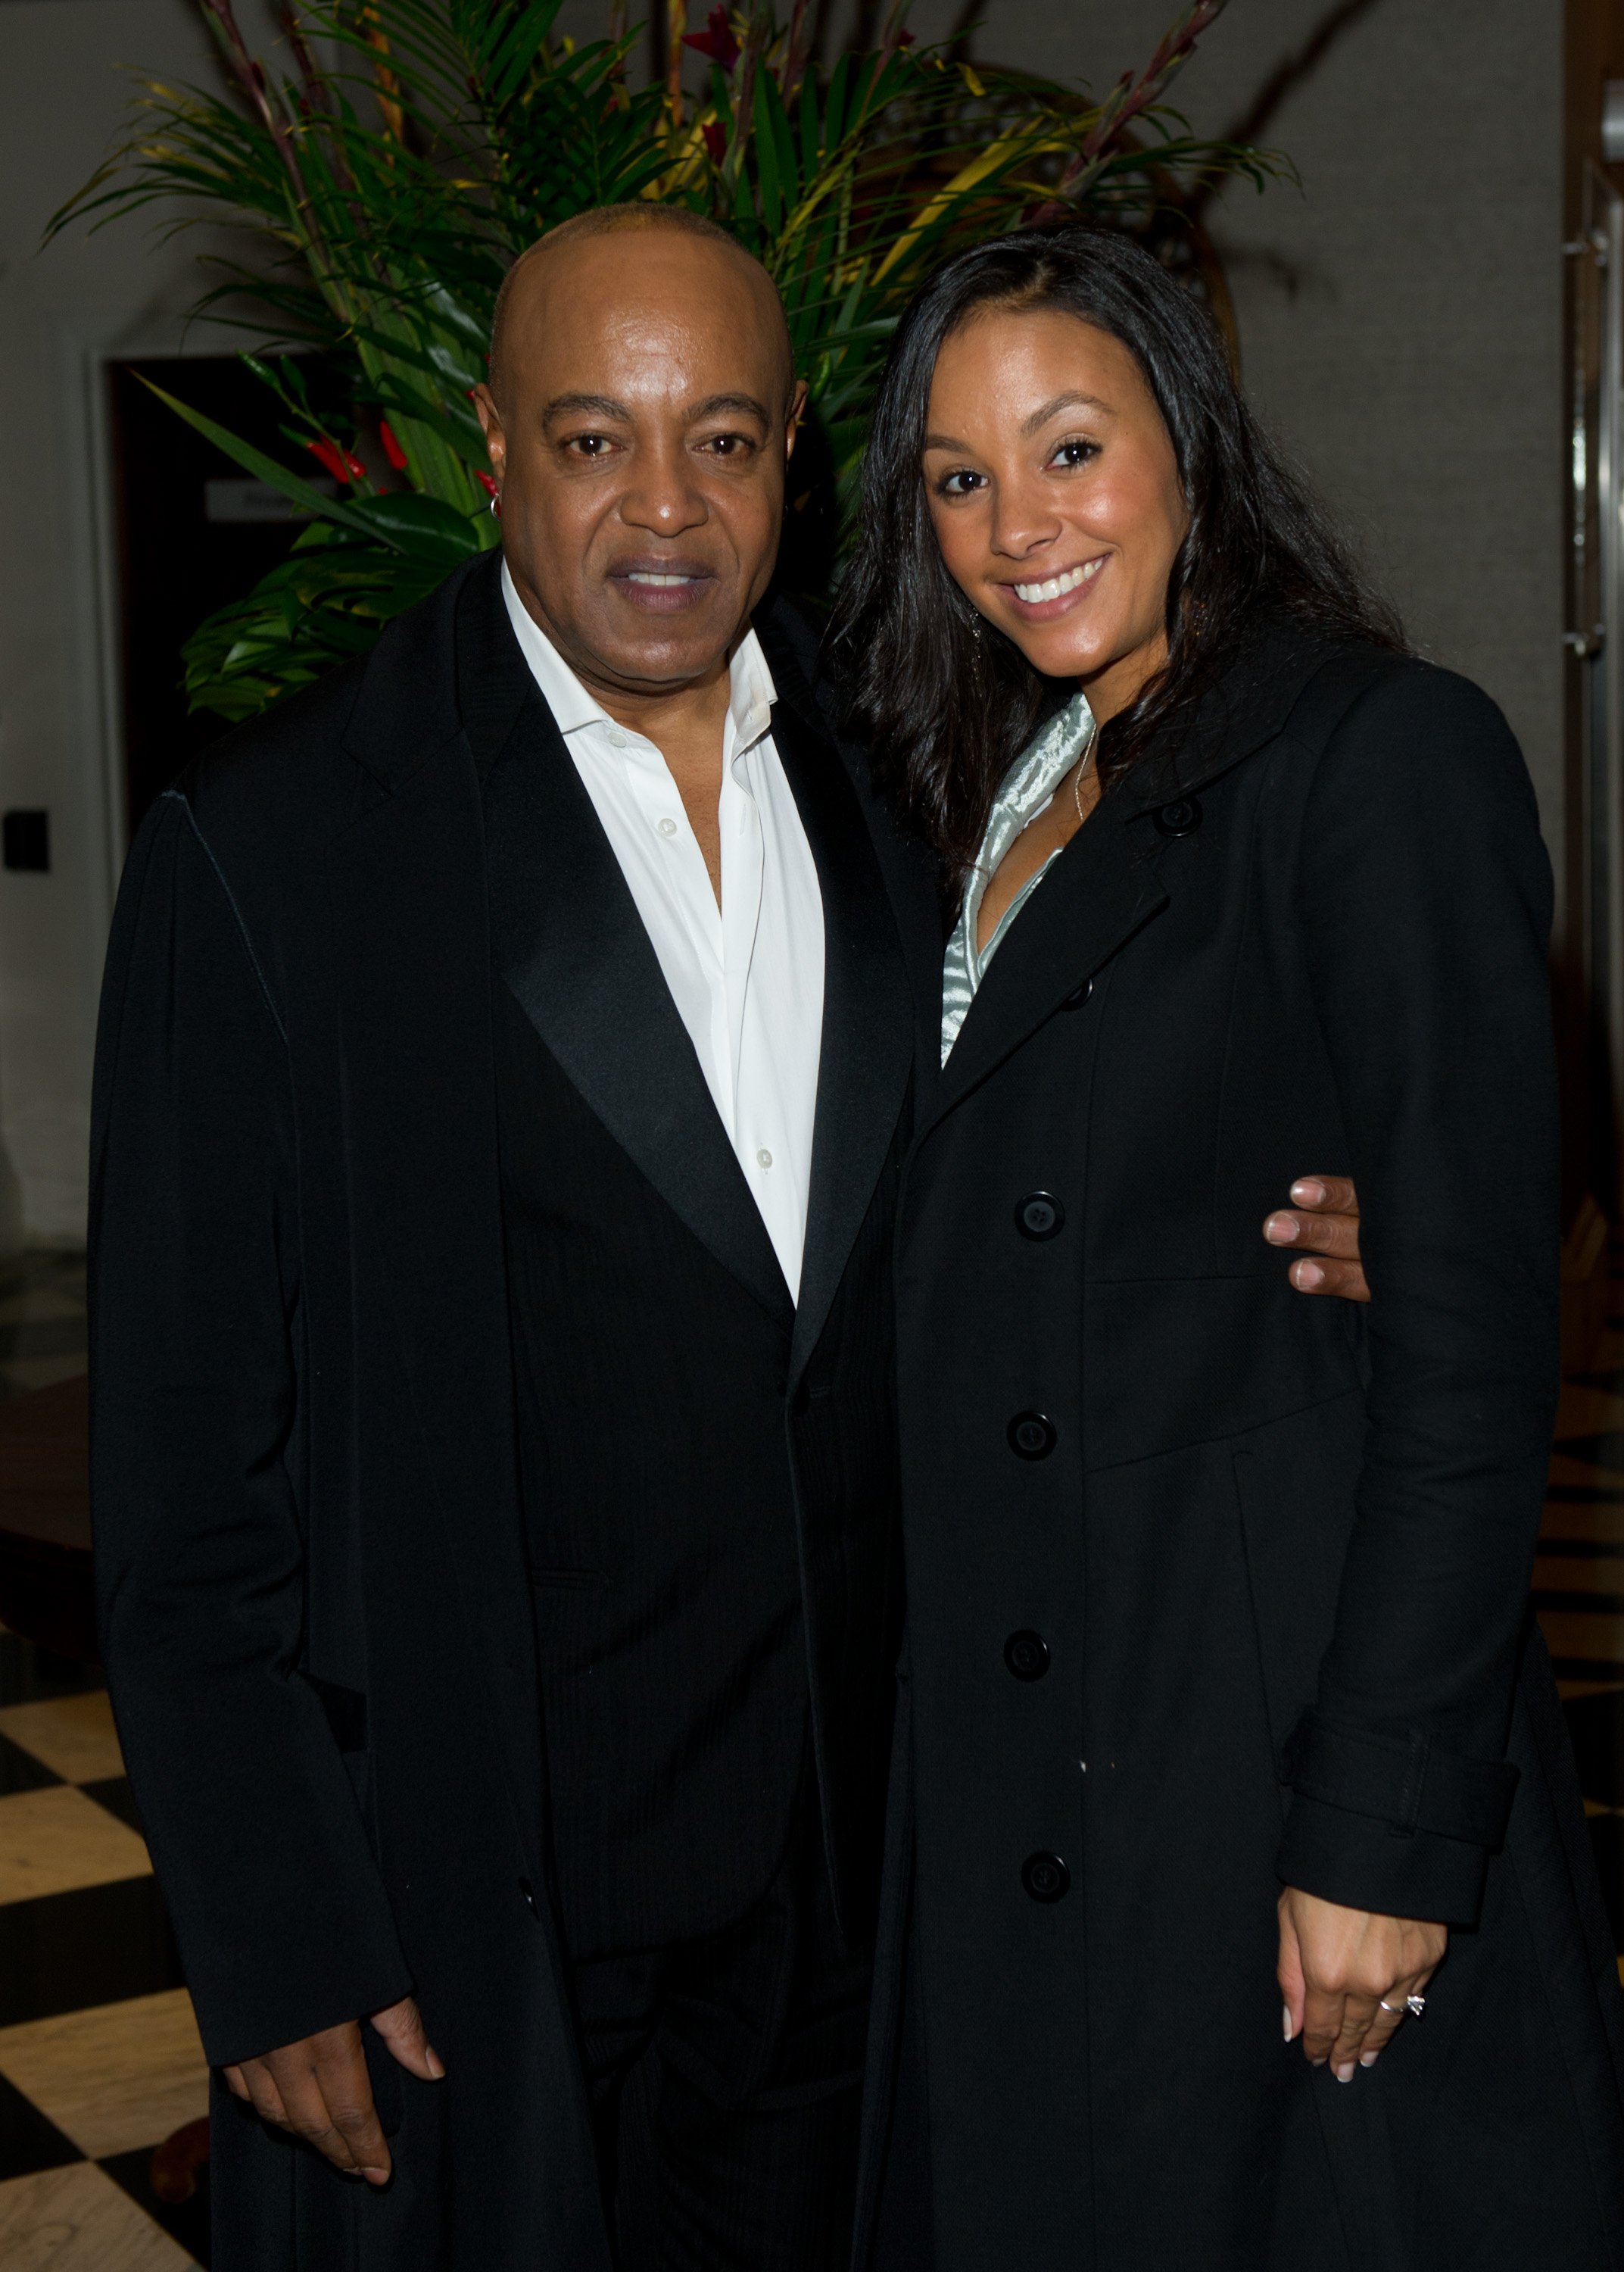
315,1580
705,1562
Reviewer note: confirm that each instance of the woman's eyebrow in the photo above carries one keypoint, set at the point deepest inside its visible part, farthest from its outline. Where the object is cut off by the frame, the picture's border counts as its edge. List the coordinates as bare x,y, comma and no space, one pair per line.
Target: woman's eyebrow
1071,400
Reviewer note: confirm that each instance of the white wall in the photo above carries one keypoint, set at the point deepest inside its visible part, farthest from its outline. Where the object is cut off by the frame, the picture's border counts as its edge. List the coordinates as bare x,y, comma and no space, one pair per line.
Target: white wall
62,101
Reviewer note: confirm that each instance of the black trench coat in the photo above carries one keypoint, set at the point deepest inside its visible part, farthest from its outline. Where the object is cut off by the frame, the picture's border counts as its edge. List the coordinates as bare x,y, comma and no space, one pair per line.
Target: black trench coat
1212,1587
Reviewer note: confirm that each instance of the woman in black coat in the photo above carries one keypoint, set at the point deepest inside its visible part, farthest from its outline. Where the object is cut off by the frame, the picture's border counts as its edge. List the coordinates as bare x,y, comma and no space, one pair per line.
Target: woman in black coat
1228,1743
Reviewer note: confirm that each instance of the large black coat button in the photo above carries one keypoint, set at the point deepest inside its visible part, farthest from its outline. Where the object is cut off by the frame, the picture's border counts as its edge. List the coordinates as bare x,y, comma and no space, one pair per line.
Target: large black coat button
1182,818
1046,1877
1032,1436
1027,1656
1040,1215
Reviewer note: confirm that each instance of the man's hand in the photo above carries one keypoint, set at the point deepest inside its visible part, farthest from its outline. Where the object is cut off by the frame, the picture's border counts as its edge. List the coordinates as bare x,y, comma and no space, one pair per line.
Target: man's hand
319,2089
1323,1219
1339,1967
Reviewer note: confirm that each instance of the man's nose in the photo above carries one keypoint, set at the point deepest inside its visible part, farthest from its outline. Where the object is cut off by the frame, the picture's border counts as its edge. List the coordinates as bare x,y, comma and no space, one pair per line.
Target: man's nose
663,496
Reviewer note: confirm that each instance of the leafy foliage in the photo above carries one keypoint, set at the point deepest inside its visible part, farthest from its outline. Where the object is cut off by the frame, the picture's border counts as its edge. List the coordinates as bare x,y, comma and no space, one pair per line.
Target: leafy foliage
385,189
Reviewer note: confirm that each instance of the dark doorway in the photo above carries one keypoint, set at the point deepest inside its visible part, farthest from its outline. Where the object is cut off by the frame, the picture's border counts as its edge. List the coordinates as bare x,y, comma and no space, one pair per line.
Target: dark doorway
193,534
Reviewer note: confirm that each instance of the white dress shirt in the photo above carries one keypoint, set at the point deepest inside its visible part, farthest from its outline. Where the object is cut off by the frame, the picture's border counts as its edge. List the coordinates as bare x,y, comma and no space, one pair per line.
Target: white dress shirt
747,978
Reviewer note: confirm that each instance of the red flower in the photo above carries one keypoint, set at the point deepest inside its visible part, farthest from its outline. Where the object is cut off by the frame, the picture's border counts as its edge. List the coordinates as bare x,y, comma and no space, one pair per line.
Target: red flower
338,463
716,141
392,450
485,481
716,40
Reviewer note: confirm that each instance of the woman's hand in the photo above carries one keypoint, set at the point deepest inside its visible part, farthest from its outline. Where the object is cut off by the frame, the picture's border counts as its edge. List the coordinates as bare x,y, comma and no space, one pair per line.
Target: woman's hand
1339,1967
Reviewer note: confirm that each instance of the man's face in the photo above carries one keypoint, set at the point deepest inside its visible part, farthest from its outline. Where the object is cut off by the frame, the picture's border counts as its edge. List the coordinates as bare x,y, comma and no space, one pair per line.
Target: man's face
640,444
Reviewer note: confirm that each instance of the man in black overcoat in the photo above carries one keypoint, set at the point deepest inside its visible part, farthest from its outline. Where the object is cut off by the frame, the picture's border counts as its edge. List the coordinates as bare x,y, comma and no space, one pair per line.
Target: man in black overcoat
494,1466
434,1314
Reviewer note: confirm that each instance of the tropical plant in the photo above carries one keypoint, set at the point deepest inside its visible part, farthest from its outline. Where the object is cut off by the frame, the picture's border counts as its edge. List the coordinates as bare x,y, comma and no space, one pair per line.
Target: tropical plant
387,171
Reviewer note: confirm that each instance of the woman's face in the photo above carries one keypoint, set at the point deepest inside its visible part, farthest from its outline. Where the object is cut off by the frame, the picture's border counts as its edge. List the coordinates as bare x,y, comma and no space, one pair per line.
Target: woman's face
1055,496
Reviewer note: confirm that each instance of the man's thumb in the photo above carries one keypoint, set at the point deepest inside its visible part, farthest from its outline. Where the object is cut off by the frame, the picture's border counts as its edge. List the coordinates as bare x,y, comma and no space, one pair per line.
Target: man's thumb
401,2027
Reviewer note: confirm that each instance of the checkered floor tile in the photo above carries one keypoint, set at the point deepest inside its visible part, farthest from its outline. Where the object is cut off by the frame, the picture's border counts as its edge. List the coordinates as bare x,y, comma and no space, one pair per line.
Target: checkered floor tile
100,2060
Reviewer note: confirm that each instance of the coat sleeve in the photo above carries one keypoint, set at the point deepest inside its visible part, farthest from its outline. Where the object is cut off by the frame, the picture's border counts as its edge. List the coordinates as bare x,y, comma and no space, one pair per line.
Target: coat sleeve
1425,900
283,1921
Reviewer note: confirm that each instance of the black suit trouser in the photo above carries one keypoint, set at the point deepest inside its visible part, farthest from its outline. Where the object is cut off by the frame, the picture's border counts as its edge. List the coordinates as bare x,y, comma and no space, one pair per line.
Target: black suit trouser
725,2079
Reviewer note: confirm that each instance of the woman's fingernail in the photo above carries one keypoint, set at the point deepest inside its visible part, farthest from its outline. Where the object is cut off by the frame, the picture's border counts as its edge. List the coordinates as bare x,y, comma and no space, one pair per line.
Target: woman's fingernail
1286,2020
1318,2062
1306,1275
1368,2058
1282,1228
1345,2073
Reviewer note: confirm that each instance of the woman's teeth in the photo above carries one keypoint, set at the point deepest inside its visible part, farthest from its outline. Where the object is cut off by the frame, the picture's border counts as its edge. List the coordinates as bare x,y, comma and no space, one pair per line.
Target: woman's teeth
660,583
1057,586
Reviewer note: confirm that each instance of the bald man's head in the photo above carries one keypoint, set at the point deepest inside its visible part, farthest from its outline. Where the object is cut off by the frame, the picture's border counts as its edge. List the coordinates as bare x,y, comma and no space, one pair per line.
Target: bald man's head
641,408
618,220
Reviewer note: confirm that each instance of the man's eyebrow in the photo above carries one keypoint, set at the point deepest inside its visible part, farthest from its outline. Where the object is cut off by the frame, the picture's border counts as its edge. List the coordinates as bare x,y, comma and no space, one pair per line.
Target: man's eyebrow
595,406
714,405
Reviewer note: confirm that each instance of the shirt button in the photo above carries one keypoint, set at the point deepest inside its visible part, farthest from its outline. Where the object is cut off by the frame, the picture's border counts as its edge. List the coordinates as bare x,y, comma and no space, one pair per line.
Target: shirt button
668,827
617,741
763,1158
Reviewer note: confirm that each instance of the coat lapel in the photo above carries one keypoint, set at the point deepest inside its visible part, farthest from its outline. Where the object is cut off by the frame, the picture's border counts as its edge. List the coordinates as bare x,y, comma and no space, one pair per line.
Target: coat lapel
567,937
1104,885
1093,900
867,1047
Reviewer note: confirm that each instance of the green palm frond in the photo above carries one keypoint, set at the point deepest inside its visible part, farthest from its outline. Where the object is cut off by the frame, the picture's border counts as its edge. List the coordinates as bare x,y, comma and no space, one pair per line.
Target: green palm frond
383,195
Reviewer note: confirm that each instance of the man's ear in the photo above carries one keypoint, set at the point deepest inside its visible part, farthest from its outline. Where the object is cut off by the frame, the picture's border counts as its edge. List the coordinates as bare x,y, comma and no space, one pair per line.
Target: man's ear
490,421
796,411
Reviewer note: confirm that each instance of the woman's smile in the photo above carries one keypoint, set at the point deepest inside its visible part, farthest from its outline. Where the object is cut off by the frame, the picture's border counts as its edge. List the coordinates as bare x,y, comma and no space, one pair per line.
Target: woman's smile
1040,600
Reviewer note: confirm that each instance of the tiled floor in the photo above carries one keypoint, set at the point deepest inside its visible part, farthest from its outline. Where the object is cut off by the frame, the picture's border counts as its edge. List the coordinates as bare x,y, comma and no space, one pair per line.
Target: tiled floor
98,2054
100,2059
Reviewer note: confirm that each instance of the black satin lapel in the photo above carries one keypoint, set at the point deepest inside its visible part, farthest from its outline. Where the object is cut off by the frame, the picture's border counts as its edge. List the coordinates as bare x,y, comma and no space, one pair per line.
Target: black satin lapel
408,892
567,937
1094,898
867,1040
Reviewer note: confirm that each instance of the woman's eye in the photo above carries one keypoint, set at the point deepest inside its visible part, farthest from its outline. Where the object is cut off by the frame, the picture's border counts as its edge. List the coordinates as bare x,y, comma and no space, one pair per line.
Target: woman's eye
962,484
1075,453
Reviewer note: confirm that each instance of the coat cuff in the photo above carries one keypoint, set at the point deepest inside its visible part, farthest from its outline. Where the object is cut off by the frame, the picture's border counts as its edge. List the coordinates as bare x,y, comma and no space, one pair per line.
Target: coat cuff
1395,1824
1367,1864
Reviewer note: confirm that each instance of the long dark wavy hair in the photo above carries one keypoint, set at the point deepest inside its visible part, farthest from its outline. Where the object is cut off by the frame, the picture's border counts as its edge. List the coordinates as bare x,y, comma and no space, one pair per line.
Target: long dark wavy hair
948,702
